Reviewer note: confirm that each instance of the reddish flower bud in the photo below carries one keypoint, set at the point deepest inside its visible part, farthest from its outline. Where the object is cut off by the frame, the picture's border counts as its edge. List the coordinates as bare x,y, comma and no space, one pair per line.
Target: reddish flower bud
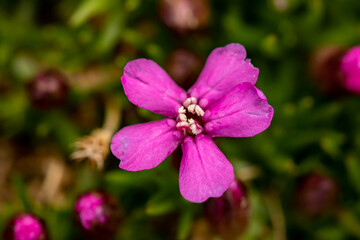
48,89
25,226
325,69
350,68
184,67
185,15
229,214
315,195
98,215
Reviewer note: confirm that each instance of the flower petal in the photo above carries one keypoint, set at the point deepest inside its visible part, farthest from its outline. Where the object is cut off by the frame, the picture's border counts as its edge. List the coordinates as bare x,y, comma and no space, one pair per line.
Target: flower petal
350,69
225,68
146,145
148,86
260,93
243,112
204,171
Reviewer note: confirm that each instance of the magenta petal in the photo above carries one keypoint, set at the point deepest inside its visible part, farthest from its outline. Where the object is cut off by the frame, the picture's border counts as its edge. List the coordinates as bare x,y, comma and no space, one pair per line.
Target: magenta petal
225,68
204,171
243,112
350,68
260,93
146,145
148,86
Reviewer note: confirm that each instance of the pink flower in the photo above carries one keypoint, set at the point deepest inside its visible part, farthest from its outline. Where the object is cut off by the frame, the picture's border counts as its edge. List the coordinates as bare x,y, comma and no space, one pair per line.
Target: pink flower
350,68
25,226
90,208
222,103
98,215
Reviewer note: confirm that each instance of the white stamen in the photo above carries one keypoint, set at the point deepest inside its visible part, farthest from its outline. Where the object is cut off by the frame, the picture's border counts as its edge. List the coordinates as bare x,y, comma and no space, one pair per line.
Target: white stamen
195,127
187,102
190,100
185,124
191,108
199,111
182,117
193,100
182,110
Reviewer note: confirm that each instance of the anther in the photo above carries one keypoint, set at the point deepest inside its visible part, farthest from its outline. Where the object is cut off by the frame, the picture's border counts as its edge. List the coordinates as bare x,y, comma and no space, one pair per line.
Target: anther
185,124
193,100
195,127
189,101
191,108
199,111
182,117
182,110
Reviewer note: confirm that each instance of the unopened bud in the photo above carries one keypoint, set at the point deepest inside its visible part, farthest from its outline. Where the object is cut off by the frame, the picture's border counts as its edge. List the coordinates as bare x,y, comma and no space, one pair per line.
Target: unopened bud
48,89
315,195
229,214
350,68
325,69
98,215
25,226
184,67
185,15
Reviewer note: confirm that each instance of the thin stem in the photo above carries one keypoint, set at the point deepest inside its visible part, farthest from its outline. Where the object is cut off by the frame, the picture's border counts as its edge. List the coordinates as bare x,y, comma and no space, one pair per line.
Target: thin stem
276,215
112,115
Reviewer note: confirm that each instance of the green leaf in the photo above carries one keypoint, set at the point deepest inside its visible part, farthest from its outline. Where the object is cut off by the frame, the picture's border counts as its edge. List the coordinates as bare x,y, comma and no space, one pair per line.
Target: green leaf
64,129
88,9
120,177
112,30
185,223
20,189
160,204
353,170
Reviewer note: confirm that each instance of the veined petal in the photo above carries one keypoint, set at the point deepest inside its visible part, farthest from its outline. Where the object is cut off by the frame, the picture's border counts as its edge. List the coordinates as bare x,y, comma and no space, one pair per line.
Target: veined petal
146,145
225,68
148,86
243,112
204,171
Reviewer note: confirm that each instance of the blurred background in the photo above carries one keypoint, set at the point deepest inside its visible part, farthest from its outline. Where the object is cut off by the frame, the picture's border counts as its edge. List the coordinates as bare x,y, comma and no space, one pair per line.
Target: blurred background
61,100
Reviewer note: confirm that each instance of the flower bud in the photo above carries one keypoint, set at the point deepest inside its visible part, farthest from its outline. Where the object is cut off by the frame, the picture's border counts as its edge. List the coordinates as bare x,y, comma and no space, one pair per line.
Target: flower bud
325,69
350,68
185,15
229,214
184,67
25,226
48,89
98,215
315,195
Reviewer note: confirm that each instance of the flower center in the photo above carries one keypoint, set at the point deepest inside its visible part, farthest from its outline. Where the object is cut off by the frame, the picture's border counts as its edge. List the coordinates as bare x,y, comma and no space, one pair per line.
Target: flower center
189,117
